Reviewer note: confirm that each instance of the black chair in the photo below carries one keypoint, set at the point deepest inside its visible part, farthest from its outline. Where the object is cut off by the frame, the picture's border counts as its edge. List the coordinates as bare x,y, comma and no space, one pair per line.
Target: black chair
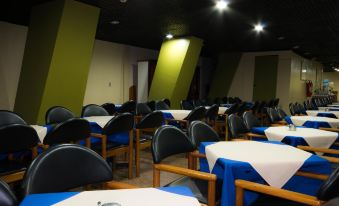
142,109
242,108
121,123
212,114
58,114
197,113
169,140
144,131
276,102
167,101
69,131
250,120
128,107
292,110
94,110
199,131
8,117
64,167
255,107
160,105
110,108
221,123
282,114
186,105
7,197
16,138
151,105
197,103
237,127
329,190
274,117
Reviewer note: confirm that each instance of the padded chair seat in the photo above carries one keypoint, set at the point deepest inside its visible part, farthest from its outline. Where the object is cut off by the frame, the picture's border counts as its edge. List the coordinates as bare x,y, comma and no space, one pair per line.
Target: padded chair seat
8,167
110,145
198,187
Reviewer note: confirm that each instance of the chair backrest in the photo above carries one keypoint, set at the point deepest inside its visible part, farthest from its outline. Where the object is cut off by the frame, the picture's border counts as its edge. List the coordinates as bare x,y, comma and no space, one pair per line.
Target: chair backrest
292,110
276,102
110,108
160,105
128,107
282,114
94,110
225,100
169,140
186,105
74,129
197,103
273,115
232,109
236,126
261,107
330,188
197,113
151,120
241,109
16,137
142,109
8,117
63,167
212,112
7,197
199,131
167,101
121,123
58,114
250,120
255,106
218,101
151,105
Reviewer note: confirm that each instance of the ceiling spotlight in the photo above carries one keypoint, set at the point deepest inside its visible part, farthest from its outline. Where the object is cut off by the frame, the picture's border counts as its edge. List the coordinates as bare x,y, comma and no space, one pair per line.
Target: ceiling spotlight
259,27
169,36
115,22
123,1
281,38
296,47
221,4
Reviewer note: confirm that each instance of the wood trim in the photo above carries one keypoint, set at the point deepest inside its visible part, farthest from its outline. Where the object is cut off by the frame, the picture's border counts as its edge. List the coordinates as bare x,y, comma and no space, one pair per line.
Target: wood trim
14,177
137,152
211,193
265,189
119,185
250,134
331,159
34,152
156,176
312,175
318,149
329,129
130,155
186,172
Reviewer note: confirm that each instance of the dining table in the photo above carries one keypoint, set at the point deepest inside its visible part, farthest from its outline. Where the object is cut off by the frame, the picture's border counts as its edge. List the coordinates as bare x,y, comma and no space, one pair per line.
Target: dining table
164,196
271,162
312,122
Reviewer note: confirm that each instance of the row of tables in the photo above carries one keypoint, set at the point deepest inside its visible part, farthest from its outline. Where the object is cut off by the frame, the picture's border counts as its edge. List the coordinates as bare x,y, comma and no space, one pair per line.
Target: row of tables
270,162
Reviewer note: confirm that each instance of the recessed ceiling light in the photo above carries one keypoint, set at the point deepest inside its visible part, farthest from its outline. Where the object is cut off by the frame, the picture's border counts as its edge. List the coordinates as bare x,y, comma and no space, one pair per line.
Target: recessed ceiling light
123,1
259,27
281,38
169,36
115,22
296,47
221,4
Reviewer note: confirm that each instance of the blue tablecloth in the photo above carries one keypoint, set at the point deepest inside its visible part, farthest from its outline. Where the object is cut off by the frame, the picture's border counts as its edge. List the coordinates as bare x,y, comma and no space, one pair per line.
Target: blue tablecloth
53,198
229,170
330,115
310,124
168,115
121,138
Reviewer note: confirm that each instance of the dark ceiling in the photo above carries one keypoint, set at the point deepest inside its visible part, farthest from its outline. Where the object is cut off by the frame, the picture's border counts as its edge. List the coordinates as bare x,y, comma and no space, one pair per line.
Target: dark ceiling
309,27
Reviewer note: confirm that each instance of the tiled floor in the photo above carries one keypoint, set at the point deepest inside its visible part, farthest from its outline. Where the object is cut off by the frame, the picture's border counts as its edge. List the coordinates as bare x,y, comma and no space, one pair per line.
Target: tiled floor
146,170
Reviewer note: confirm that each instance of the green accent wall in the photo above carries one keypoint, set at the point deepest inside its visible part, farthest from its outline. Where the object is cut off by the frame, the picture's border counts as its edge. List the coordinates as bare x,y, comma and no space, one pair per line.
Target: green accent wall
175,68
265,77
224,73
57,58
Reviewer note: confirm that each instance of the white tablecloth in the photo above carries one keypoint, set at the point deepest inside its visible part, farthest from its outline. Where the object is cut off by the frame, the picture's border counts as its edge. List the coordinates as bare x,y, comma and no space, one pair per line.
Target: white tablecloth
313,137
333,105
221,110
276,164
177,114
42,131
300,120
130,197
314,113
100,120
329,108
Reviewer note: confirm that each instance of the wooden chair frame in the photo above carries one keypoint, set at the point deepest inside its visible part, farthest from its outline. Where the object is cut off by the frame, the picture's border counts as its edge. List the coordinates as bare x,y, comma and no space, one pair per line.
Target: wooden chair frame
211,178
115,152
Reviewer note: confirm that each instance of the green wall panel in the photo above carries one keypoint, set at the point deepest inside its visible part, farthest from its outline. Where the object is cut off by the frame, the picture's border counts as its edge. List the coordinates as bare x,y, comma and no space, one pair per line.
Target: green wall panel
65,71
265,77
224,73
175,68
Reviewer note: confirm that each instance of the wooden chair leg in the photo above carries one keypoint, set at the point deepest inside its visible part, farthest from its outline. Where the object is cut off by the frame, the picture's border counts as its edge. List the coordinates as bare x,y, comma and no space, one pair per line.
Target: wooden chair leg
130,155
239,196
226,128
34,152
156,177
104,146
137,152
88,142
211,193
